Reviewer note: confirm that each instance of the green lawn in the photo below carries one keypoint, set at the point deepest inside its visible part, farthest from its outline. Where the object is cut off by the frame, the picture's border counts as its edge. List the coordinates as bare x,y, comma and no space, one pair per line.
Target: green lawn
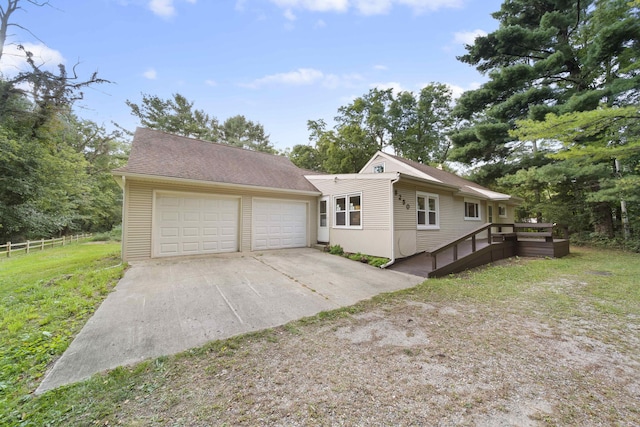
45,299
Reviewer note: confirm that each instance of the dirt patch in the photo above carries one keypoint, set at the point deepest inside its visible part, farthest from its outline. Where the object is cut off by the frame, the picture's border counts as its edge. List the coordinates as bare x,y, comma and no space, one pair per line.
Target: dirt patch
411,363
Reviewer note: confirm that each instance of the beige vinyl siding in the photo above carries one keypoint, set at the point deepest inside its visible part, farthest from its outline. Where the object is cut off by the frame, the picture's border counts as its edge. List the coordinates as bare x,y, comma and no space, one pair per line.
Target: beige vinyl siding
137,227
374,238
139,208
375,198
369,242
451,219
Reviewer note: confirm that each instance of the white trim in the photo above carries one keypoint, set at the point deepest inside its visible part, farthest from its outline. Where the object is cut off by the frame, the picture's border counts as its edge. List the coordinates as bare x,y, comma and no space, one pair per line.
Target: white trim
326,199
212,184
392,226
478,210
351,176
506,212
385,156
493,195
428,196
375,165
347,196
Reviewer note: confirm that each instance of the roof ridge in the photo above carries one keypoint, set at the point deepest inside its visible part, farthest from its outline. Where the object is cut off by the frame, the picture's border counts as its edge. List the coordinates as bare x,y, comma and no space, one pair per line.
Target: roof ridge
221,144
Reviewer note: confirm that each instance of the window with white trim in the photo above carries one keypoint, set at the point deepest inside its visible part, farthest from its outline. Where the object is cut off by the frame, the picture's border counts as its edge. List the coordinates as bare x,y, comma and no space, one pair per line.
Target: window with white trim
378,168
348,209
502,210
427,211
471,210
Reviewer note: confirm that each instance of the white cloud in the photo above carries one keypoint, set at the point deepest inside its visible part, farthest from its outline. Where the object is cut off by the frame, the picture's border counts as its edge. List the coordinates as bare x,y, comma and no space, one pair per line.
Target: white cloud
14,60
467,37
373,7
457,90
289,15
166,8
150,74
162,8
380,67
333,81
299,77
315,5
305,77
367,7
395,87
420,6
319,24
211,83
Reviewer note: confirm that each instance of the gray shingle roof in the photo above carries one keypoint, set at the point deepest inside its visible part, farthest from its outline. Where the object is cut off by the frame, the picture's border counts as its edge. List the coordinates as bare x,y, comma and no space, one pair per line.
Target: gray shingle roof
165,155
465,185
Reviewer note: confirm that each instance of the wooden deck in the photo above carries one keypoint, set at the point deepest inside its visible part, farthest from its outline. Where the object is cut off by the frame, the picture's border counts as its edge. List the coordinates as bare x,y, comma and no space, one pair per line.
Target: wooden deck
469,252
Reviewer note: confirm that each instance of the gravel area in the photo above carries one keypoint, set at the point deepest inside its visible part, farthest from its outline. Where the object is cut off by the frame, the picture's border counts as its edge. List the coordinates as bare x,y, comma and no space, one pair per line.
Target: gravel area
410,362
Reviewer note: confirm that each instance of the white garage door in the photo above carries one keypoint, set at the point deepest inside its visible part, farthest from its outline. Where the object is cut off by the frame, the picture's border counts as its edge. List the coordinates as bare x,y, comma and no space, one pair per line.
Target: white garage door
190,225
279,224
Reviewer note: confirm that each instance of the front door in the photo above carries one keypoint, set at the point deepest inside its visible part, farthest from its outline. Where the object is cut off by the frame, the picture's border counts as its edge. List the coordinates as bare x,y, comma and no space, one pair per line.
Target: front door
323,220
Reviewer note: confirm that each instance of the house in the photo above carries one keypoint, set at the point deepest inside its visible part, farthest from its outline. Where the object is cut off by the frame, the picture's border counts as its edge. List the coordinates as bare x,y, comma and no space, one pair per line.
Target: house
184,197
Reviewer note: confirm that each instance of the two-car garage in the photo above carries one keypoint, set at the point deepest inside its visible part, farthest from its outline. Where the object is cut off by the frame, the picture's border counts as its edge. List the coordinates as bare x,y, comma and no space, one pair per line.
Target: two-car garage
192,224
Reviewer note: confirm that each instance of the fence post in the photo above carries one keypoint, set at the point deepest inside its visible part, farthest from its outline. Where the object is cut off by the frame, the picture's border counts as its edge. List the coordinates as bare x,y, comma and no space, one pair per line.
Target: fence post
63,238
42,244
8,249
28,246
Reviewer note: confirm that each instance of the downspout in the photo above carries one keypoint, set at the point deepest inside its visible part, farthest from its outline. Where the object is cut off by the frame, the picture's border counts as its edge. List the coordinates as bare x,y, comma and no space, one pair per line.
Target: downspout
124,217
392,222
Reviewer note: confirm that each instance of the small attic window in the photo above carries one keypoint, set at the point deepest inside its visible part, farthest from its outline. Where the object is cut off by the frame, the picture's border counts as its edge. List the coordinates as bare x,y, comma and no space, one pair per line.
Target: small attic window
378,168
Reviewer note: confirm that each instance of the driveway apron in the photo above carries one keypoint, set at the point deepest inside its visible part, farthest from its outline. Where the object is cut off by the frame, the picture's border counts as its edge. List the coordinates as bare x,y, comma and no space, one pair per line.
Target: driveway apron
163,307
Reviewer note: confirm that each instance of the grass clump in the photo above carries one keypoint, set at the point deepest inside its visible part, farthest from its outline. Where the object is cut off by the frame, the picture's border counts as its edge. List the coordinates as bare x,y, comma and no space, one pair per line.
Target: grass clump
115,235
46,298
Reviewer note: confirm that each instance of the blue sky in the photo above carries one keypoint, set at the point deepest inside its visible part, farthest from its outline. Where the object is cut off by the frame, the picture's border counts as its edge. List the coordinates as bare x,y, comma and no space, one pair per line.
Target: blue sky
278,62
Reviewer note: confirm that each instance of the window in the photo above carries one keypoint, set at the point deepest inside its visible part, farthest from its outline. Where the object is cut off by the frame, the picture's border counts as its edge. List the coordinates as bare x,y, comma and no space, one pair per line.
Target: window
348,210
490,213
427,211
471,210
379,168
502,210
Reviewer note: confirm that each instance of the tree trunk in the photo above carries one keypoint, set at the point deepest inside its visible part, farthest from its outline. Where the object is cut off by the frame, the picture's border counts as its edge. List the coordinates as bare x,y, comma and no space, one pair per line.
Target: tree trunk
603,219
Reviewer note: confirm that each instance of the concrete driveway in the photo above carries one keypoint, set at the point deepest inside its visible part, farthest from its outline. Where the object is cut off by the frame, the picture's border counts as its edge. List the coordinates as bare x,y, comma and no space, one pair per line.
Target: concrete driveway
162,307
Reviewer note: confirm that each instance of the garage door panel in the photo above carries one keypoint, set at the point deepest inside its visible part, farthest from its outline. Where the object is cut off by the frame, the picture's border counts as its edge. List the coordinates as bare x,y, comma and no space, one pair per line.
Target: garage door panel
169,248
279,224
170,232
187,225
210,231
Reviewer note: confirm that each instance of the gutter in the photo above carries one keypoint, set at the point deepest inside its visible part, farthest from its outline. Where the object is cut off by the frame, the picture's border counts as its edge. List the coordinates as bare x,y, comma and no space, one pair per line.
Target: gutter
210,184
392,224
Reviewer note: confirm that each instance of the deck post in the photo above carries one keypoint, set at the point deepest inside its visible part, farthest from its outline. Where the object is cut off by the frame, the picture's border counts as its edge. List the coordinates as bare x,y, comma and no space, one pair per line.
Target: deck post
473,243
434,262
455,252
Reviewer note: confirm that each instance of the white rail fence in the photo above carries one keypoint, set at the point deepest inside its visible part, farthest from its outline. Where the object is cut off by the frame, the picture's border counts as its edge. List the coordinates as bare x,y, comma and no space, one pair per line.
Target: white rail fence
31,245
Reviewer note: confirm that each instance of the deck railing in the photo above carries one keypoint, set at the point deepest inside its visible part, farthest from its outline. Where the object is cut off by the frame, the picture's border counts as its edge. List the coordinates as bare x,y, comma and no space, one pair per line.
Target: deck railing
473,234
516,231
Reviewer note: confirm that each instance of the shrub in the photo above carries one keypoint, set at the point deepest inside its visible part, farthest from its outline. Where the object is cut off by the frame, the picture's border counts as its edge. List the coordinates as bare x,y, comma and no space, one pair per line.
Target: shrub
336,250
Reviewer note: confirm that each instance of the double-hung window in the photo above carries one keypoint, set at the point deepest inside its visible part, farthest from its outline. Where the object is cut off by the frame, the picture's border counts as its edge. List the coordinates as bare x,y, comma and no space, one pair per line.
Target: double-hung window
348,209
472,210
427,211
502,210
